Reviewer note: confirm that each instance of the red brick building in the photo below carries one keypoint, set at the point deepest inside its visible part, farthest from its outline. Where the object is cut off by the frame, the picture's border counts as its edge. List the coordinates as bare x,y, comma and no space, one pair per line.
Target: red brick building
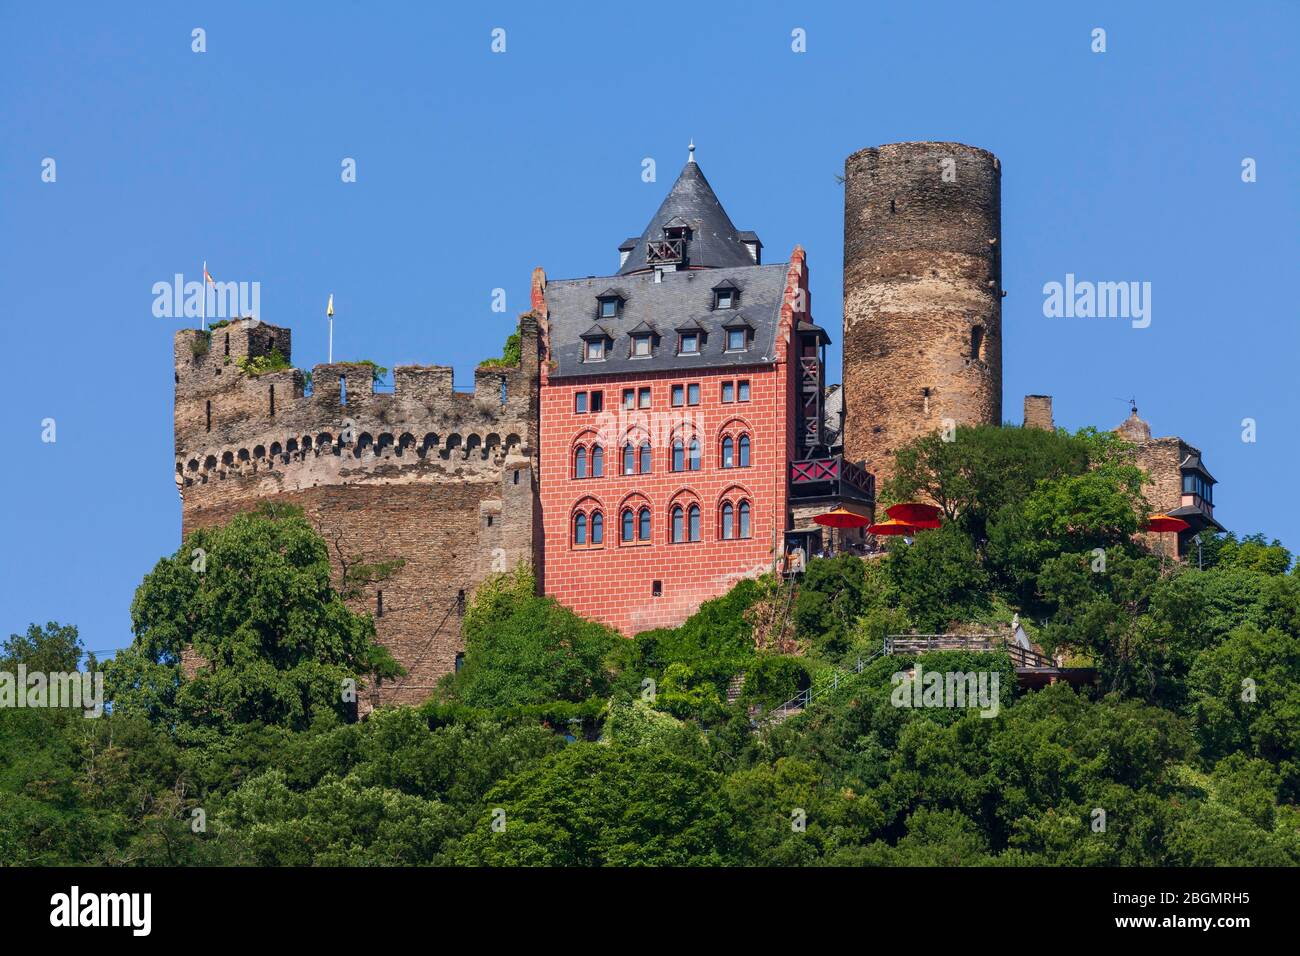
676,397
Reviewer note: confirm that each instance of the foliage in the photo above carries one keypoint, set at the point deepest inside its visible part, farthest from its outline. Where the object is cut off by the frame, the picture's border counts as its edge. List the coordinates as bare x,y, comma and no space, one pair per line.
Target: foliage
273,361
524,649
510,353
253,601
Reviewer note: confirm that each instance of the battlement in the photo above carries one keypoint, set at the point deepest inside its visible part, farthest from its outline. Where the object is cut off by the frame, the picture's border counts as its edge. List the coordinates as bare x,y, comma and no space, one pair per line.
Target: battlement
222,405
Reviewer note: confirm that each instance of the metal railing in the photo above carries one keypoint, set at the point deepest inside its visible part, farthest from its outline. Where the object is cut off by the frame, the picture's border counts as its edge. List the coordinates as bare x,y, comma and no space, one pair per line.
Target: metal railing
828,683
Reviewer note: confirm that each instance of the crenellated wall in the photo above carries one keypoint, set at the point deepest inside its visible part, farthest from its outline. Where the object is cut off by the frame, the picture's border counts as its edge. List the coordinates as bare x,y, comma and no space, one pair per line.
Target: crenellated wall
444,480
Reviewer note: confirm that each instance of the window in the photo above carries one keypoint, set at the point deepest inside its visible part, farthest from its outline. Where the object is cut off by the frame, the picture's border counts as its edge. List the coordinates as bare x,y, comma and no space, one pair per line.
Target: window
976,340
580,529
644,397
580,463
728,391
597,462
643,525
629,523
597,402
629,459
596,350
744,519
580,402
656,589
744,451
728,521
678,528
725,297
679,455
693,394
735,520
679,395
460,662
610,306
742,390
645,458
728,453
735,340
629,398
694,462
641,346
597,528
693,517
689,344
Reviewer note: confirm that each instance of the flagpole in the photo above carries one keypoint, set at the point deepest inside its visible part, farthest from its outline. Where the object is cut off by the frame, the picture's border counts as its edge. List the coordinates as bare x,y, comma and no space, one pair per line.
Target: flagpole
329,312
203,284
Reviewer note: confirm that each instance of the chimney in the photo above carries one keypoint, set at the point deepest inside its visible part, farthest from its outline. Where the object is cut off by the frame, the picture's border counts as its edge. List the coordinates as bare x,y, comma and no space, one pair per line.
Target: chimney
1038,412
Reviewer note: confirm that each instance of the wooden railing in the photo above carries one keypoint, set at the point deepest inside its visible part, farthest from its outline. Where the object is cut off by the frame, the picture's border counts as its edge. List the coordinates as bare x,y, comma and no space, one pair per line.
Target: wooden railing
975,643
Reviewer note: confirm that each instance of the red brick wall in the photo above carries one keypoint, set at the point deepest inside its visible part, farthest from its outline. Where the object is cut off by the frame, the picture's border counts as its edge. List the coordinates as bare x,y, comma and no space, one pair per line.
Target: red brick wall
613,583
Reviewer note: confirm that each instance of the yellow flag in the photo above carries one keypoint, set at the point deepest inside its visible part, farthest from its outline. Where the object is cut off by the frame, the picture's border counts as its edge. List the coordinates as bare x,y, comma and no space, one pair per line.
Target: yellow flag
329,309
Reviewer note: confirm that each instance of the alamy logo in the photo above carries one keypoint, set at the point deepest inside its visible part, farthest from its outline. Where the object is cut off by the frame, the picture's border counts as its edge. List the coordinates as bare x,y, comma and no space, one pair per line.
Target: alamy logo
1098,300
952,689
75,690
224,300
103,909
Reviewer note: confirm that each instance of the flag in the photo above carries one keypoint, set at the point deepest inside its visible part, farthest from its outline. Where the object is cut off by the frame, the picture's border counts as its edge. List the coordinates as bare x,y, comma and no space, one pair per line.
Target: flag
329,309
208,276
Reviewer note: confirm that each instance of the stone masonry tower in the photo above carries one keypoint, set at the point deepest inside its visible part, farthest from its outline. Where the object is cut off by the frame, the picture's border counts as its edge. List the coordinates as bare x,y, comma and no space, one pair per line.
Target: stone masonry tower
922,295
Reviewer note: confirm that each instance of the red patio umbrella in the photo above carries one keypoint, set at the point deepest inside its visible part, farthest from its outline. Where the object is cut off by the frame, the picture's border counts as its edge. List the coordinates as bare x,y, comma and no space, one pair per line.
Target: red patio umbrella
841,517
915,513
1164,523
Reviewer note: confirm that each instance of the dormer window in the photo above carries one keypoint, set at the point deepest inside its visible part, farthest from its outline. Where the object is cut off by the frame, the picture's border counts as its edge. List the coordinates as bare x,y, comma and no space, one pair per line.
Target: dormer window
642,345
735,340
739,332
726,295
610,306
689,343
594,343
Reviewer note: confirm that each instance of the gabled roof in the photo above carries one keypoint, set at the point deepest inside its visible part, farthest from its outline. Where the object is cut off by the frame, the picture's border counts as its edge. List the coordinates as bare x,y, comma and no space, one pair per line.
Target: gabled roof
715,243
692,325
597,331
642,328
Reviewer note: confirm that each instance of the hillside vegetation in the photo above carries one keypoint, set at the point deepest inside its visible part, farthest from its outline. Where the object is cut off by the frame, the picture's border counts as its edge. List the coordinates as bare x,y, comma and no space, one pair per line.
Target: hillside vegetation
561,743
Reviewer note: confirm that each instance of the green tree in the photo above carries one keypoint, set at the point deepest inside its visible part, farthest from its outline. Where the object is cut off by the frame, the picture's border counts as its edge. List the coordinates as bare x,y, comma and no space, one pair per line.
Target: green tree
252,600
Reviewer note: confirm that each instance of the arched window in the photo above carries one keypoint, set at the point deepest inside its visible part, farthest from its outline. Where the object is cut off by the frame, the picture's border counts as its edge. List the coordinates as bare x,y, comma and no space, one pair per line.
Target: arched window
597,461
597,528
629,524
679,456
580,528
744,520
677,523
643,526
645,458
694,519
744,451
580,463
695,454
629,459
728,521
728,453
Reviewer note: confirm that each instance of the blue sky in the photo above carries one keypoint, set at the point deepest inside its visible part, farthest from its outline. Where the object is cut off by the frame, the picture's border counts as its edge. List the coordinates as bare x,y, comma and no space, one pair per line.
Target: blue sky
474,167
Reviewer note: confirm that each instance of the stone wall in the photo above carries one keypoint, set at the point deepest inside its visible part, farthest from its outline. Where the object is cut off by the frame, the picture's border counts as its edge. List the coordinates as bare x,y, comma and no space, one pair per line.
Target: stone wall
444,480
1038,412
922,295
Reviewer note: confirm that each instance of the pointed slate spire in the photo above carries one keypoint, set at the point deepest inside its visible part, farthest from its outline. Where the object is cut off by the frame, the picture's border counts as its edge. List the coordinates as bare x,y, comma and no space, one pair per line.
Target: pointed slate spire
714,242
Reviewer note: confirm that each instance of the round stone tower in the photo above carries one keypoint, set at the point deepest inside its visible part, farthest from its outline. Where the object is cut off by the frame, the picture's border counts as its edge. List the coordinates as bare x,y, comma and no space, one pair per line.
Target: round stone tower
922,295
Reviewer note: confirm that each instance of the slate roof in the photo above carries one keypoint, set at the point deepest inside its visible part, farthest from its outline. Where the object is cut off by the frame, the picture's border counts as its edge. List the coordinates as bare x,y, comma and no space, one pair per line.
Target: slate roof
669,304
715,243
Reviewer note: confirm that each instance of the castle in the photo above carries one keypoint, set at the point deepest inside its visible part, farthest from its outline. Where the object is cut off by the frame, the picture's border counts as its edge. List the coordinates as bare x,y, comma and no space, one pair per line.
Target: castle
667,430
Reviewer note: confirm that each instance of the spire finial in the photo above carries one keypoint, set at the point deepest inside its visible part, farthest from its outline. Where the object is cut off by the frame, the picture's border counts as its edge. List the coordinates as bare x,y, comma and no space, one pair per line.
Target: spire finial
691,157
